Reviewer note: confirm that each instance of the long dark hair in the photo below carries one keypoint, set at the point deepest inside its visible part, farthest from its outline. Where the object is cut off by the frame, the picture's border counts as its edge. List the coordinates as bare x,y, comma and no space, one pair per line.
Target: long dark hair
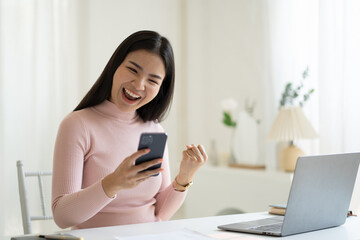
157,108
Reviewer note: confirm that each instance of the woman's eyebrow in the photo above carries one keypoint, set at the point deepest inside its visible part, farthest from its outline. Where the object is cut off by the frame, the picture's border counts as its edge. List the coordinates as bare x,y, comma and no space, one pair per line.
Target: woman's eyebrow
155,76
151,75
136,65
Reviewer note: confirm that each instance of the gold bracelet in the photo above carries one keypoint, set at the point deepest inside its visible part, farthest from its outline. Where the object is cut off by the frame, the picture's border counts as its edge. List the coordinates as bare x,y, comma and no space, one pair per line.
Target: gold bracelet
183,188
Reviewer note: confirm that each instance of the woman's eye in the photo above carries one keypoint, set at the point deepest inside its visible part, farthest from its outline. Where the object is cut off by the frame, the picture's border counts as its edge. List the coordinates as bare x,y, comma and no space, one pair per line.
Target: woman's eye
153,81
132,69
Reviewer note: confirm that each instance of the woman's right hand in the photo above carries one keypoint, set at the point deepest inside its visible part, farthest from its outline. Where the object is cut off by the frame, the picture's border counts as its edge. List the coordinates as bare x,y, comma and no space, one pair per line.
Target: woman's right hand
129,175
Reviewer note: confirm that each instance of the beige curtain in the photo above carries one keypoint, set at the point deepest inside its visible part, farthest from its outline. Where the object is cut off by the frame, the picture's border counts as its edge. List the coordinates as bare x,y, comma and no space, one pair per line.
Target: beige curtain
324,35
339,57
37,89
293,46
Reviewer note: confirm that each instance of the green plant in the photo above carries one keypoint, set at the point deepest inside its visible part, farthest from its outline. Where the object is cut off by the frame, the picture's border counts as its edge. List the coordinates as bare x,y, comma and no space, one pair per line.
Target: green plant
229,105
293,93
227,120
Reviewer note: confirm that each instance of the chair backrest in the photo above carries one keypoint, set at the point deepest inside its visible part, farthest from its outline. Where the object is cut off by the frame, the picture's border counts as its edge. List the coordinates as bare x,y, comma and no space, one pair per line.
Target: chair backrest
25,211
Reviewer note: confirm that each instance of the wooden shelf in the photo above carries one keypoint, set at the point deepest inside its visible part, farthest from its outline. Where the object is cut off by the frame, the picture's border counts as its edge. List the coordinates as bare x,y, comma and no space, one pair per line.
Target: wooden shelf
246,166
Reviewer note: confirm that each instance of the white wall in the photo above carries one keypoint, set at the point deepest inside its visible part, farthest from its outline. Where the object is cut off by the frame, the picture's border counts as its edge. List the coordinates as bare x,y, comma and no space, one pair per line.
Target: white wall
226,58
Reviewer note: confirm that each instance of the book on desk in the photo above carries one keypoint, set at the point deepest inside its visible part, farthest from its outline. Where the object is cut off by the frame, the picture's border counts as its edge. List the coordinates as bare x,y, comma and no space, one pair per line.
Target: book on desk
280,209
277,209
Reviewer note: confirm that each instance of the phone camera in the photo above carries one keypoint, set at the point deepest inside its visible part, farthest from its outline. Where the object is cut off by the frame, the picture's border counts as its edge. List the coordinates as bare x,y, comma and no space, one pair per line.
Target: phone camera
146,140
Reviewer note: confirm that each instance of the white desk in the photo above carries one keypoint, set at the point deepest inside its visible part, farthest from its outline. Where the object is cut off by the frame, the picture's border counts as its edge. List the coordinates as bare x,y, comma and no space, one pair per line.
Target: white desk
208,226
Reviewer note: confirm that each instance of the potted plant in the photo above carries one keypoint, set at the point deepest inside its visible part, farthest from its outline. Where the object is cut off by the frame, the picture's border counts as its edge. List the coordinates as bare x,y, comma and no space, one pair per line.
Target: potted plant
291,123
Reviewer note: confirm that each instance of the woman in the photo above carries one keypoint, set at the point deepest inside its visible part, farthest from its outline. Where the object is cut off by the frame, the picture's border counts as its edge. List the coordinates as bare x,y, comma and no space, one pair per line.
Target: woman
95,180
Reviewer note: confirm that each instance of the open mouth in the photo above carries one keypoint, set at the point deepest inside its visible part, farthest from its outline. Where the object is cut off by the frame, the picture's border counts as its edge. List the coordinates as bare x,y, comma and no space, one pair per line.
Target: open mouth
130,95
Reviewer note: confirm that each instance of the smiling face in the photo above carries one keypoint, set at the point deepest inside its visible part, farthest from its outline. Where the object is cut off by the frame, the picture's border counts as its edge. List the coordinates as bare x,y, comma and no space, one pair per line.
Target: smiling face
137,80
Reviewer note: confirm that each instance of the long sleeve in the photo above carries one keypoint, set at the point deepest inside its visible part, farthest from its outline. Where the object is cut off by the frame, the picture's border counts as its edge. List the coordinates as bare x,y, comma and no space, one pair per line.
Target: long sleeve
72,205
168,201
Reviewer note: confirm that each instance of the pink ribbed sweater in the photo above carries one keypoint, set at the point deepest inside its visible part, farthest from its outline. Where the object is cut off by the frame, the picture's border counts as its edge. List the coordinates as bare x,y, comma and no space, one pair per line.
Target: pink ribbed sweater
90,144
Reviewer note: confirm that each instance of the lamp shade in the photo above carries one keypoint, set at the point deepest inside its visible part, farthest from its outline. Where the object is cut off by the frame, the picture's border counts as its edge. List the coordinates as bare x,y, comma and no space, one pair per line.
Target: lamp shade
291,124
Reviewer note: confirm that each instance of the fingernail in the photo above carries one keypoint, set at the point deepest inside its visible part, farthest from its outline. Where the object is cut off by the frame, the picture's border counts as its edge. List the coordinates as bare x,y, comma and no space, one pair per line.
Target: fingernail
161,169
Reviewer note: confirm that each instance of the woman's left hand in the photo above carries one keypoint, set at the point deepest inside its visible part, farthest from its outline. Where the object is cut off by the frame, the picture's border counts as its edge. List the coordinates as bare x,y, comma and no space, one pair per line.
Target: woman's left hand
192,159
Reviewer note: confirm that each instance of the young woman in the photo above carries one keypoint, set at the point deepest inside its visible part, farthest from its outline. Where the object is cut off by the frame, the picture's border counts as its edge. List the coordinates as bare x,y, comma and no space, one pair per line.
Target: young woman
95,180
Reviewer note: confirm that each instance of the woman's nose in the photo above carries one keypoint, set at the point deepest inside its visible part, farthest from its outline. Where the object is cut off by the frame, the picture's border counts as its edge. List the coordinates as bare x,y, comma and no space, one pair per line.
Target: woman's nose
139,84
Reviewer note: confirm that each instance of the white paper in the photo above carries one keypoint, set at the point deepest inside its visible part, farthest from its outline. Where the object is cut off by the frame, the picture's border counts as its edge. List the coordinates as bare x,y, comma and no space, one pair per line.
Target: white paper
174,235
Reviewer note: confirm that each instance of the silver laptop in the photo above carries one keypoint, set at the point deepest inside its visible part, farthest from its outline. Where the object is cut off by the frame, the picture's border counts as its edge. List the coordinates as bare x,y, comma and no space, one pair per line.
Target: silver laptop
319,197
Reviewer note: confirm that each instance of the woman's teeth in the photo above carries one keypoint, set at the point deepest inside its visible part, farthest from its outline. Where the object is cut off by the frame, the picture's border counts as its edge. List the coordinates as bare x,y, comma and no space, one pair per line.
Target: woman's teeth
131,94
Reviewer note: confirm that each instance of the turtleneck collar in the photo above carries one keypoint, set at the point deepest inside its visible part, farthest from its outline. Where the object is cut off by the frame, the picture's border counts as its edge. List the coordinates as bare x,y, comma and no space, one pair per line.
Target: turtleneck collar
111,110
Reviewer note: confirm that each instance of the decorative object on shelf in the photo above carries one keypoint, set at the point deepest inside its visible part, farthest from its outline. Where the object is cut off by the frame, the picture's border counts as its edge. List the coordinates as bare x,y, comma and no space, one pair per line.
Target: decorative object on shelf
292,96
244,150
213,154
291,124
229,106
245,144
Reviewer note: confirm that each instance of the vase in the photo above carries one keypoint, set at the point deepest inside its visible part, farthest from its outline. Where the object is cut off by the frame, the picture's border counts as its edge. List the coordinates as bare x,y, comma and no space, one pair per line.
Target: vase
245,144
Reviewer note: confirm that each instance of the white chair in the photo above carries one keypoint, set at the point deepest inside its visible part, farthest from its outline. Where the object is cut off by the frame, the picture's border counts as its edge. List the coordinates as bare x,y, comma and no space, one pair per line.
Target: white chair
25,211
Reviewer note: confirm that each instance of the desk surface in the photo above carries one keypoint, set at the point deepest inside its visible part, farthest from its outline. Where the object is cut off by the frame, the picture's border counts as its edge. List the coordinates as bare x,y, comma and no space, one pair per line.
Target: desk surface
208,226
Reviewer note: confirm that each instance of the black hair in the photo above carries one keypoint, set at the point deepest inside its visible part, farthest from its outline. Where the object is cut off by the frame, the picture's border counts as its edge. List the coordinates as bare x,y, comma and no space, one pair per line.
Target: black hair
152,41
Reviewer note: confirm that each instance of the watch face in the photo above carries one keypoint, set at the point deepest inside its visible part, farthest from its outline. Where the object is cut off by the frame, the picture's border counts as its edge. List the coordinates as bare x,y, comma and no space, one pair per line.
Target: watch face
189,184
182,187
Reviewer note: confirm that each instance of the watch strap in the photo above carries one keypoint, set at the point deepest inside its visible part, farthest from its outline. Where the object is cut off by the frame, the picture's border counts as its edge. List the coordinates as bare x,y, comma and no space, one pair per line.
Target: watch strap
181,188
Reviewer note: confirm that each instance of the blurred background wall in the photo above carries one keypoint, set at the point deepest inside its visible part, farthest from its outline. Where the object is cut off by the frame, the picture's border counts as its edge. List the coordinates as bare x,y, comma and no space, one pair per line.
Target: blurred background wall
51,52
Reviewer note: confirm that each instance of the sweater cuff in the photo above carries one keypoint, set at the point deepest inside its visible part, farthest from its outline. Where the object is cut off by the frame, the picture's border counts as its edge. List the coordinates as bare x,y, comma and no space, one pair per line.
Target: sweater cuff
102,191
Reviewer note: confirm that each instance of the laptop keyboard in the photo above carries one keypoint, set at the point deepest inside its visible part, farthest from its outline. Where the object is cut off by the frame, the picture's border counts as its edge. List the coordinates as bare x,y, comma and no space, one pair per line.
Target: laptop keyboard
276,227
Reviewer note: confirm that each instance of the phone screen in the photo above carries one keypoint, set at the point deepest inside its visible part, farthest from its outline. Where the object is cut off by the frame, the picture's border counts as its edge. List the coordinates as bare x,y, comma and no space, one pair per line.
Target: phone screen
156,142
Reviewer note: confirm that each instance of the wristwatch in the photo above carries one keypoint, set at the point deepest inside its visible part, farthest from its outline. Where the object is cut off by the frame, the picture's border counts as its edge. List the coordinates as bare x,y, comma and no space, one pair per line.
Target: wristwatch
181,188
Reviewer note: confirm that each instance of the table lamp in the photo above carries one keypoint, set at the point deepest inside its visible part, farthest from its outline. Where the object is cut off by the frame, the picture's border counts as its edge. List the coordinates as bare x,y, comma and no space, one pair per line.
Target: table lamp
289,125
